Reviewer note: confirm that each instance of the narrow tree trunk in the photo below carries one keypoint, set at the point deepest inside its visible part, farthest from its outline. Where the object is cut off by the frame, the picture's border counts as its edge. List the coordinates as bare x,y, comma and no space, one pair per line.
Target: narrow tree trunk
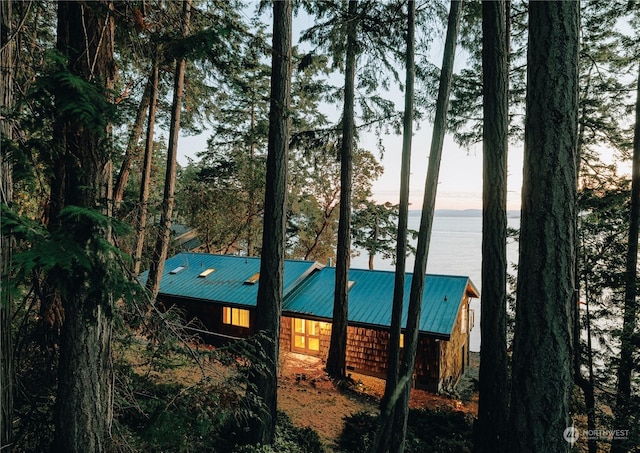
623,411
6,194
131,152
399,430
492,407
270,289
337,357
168,199
145,182
84,400
543,341
387,406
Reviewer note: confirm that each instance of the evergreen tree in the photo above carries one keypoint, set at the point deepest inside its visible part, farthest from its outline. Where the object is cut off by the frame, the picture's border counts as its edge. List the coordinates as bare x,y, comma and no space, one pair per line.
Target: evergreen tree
337,358
542,354
492,406
388,408
82,179
162,242
264,383
401,413
625,415
6,197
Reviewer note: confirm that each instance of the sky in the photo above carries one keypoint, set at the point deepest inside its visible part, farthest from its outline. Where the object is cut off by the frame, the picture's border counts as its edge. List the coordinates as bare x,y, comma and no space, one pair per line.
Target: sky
460,180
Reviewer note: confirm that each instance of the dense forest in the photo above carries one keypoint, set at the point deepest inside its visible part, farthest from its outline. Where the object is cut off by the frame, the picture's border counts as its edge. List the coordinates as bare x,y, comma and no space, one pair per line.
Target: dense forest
95,96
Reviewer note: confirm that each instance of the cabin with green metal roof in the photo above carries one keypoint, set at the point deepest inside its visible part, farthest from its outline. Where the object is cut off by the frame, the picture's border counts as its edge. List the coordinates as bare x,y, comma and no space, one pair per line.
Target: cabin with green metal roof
221,291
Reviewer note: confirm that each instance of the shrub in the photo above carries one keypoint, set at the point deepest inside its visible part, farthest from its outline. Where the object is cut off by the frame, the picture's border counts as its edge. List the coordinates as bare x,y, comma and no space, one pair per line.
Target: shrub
427,431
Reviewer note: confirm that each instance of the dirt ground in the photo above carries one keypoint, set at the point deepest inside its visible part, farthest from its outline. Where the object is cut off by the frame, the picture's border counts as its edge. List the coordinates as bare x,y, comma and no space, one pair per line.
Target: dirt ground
310,398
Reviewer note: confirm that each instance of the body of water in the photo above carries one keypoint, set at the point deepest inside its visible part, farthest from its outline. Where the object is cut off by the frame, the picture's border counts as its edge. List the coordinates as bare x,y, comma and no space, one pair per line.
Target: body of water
455,249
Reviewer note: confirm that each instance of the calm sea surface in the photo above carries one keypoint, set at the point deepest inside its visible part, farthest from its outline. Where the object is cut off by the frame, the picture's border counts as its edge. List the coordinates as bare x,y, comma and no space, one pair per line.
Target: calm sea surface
455,249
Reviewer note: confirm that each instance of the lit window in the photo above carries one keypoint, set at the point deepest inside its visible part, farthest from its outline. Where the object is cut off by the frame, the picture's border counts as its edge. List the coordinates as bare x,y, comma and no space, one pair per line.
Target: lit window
235,316
306,335
203,274
401,340
253,279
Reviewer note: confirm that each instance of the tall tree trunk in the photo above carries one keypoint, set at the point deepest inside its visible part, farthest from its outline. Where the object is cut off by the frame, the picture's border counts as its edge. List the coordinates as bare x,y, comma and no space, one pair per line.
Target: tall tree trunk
337,357
401,415
168,199
492,407
145,182
383,435
6,194
543,340
270,289
623,411
131,152
84,400
585,384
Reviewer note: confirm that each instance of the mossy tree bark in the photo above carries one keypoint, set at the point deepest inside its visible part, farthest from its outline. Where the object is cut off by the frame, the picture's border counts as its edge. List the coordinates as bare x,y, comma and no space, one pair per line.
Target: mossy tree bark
84,399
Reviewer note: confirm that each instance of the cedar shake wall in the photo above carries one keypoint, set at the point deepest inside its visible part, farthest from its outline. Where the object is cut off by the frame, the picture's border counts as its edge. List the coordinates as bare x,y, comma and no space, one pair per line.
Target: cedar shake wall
427,369
367,350
451,358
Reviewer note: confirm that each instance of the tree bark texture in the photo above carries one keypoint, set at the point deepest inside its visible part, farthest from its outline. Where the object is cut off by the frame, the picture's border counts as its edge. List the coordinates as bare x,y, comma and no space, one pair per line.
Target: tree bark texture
168,198
492,408
84,400
270,289
623,411
145,181
337,357
383,435
6,192
399,430
131,152
542,356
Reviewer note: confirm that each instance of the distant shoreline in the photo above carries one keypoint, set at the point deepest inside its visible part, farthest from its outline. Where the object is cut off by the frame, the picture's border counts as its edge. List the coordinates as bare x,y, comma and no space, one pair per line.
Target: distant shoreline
462,213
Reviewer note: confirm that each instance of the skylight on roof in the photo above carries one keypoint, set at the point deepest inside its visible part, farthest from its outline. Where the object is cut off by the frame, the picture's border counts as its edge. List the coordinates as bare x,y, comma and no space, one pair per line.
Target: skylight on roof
177,269
203,274
253,279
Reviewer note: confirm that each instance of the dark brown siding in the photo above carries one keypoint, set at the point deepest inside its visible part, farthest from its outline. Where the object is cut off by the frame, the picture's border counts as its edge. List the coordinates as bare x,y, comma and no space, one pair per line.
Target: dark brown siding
209,315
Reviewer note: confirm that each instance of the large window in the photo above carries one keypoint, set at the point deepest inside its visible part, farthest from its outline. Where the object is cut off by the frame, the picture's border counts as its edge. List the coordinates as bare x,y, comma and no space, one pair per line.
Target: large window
235,316
306,335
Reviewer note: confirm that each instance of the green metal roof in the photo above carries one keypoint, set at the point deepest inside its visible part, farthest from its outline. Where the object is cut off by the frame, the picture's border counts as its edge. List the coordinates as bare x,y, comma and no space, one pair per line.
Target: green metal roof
309,290
371,296
226,283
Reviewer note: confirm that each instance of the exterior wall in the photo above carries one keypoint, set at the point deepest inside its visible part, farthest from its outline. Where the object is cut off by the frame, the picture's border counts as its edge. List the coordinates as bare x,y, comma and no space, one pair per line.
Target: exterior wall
367,352
439,363
452,360
210,317
427,368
